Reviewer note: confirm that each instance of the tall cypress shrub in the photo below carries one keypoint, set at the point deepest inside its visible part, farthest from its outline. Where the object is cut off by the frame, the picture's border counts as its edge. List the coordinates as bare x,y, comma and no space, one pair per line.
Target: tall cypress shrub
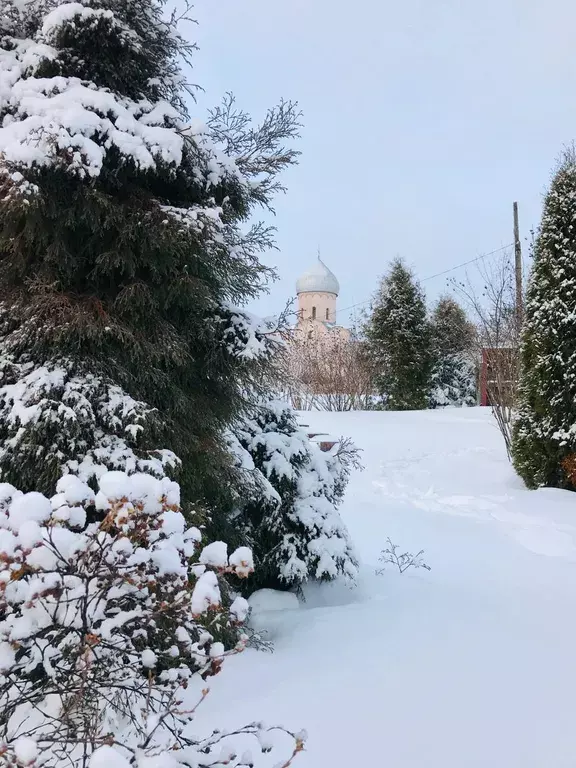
544,441
398,341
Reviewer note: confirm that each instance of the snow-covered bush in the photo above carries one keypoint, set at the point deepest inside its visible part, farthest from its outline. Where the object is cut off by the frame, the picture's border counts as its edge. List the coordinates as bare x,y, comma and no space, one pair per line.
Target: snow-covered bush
109,608
291,521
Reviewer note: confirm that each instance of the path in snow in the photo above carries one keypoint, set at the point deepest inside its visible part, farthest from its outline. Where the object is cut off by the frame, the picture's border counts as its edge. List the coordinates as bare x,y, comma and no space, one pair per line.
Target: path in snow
470,665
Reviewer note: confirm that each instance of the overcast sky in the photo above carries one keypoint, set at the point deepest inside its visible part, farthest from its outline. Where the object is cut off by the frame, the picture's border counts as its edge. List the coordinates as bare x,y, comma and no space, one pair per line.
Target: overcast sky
423,121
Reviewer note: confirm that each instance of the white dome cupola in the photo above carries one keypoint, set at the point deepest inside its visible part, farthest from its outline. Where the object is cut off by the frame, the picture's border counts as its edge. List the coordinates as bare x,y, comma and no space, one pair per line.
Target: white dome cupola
318,279
317,291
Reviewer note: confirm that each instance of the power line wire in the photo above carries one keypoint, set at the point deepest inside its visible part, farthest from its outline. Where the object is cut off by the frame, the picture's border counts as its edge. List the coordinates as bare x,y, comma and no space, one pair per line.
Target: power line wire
465,263
439,274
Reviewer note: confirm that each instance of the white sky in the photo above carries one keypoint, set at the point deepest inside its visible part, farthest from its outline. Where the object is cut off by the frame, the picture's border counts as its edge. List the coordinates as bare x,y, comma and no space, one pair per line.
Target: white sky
423,121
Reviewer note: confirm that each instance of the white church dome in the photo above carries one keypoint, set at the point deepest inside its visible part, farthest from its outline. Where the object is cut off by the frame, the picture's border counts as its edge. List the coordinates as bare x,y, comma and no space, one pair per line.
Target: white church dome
318,279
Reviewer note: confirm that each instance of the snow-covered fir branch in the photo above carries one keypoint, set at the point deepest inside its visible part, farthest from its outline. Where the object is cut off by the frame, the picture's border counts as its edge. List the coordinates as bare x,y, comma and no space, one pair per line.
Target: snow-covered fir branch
73,421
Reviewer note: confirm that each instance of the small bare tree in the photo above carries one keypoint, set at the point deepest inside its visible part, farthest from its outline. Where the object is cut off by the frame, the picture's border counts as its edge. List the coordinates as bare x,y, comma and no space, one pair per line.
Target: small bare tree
402,561
491,299
329,372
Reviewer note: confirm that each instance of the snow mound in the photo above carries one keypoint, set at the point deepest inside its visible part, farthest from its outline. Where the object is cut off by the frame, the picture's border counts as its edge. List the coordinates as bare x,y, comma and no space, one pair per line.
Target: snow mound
271,612
270,600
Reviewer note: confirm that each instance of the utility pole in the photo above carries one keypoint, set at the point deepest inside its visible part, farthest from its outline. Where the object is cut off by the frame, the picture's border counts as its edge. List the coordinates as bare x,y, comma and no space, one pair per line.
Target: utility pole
518,267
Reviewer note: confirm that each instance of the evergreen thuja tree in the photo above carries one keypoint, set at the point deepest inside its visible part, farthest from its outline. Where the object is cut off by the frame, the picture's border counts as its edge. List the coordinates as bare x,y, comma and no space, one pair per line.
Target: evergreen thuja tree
291,519
544,440
453,374
124,249
398,341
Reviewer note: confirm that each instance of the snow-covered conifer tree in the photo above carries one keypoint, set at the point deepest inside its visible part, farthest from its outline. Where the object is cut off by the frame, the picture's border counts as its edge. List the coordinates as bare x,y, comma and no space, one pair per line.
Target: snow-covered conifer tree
122,248
544,441
454,374
291,520
454,382
398,341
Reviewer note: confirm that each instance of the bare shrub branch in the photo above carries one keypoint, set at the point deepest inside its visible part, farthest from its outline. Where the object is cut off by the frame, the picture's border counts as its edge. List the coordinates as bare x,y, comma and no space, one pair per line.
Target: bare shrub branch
401,561
329,372
491,299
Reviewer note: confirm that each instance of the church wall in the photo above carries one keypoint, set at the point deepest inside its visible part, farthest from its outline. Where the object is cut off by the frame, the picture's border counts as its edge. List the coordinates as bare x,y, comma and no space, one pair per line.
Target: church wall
315,330
324,303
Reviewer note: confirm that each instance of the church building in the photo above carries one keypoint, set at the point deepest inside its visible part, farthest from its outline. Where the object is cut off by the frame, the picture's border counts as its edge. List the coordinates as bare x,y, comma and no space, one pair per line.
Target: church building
317,290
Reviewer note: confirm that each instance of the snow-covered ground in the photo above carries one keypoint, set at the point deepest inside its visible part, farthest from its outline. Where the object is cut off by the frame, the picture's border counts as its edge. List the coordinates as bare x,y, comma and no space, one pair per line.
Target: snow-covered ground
472,664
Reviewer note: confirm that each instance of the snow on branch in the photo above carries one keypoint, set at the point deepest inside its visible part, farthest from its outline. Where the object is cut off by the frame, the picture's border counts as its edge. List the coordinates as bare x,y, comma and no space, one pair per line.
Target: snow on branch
69,113
57,122
74,120
245,335
103,422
